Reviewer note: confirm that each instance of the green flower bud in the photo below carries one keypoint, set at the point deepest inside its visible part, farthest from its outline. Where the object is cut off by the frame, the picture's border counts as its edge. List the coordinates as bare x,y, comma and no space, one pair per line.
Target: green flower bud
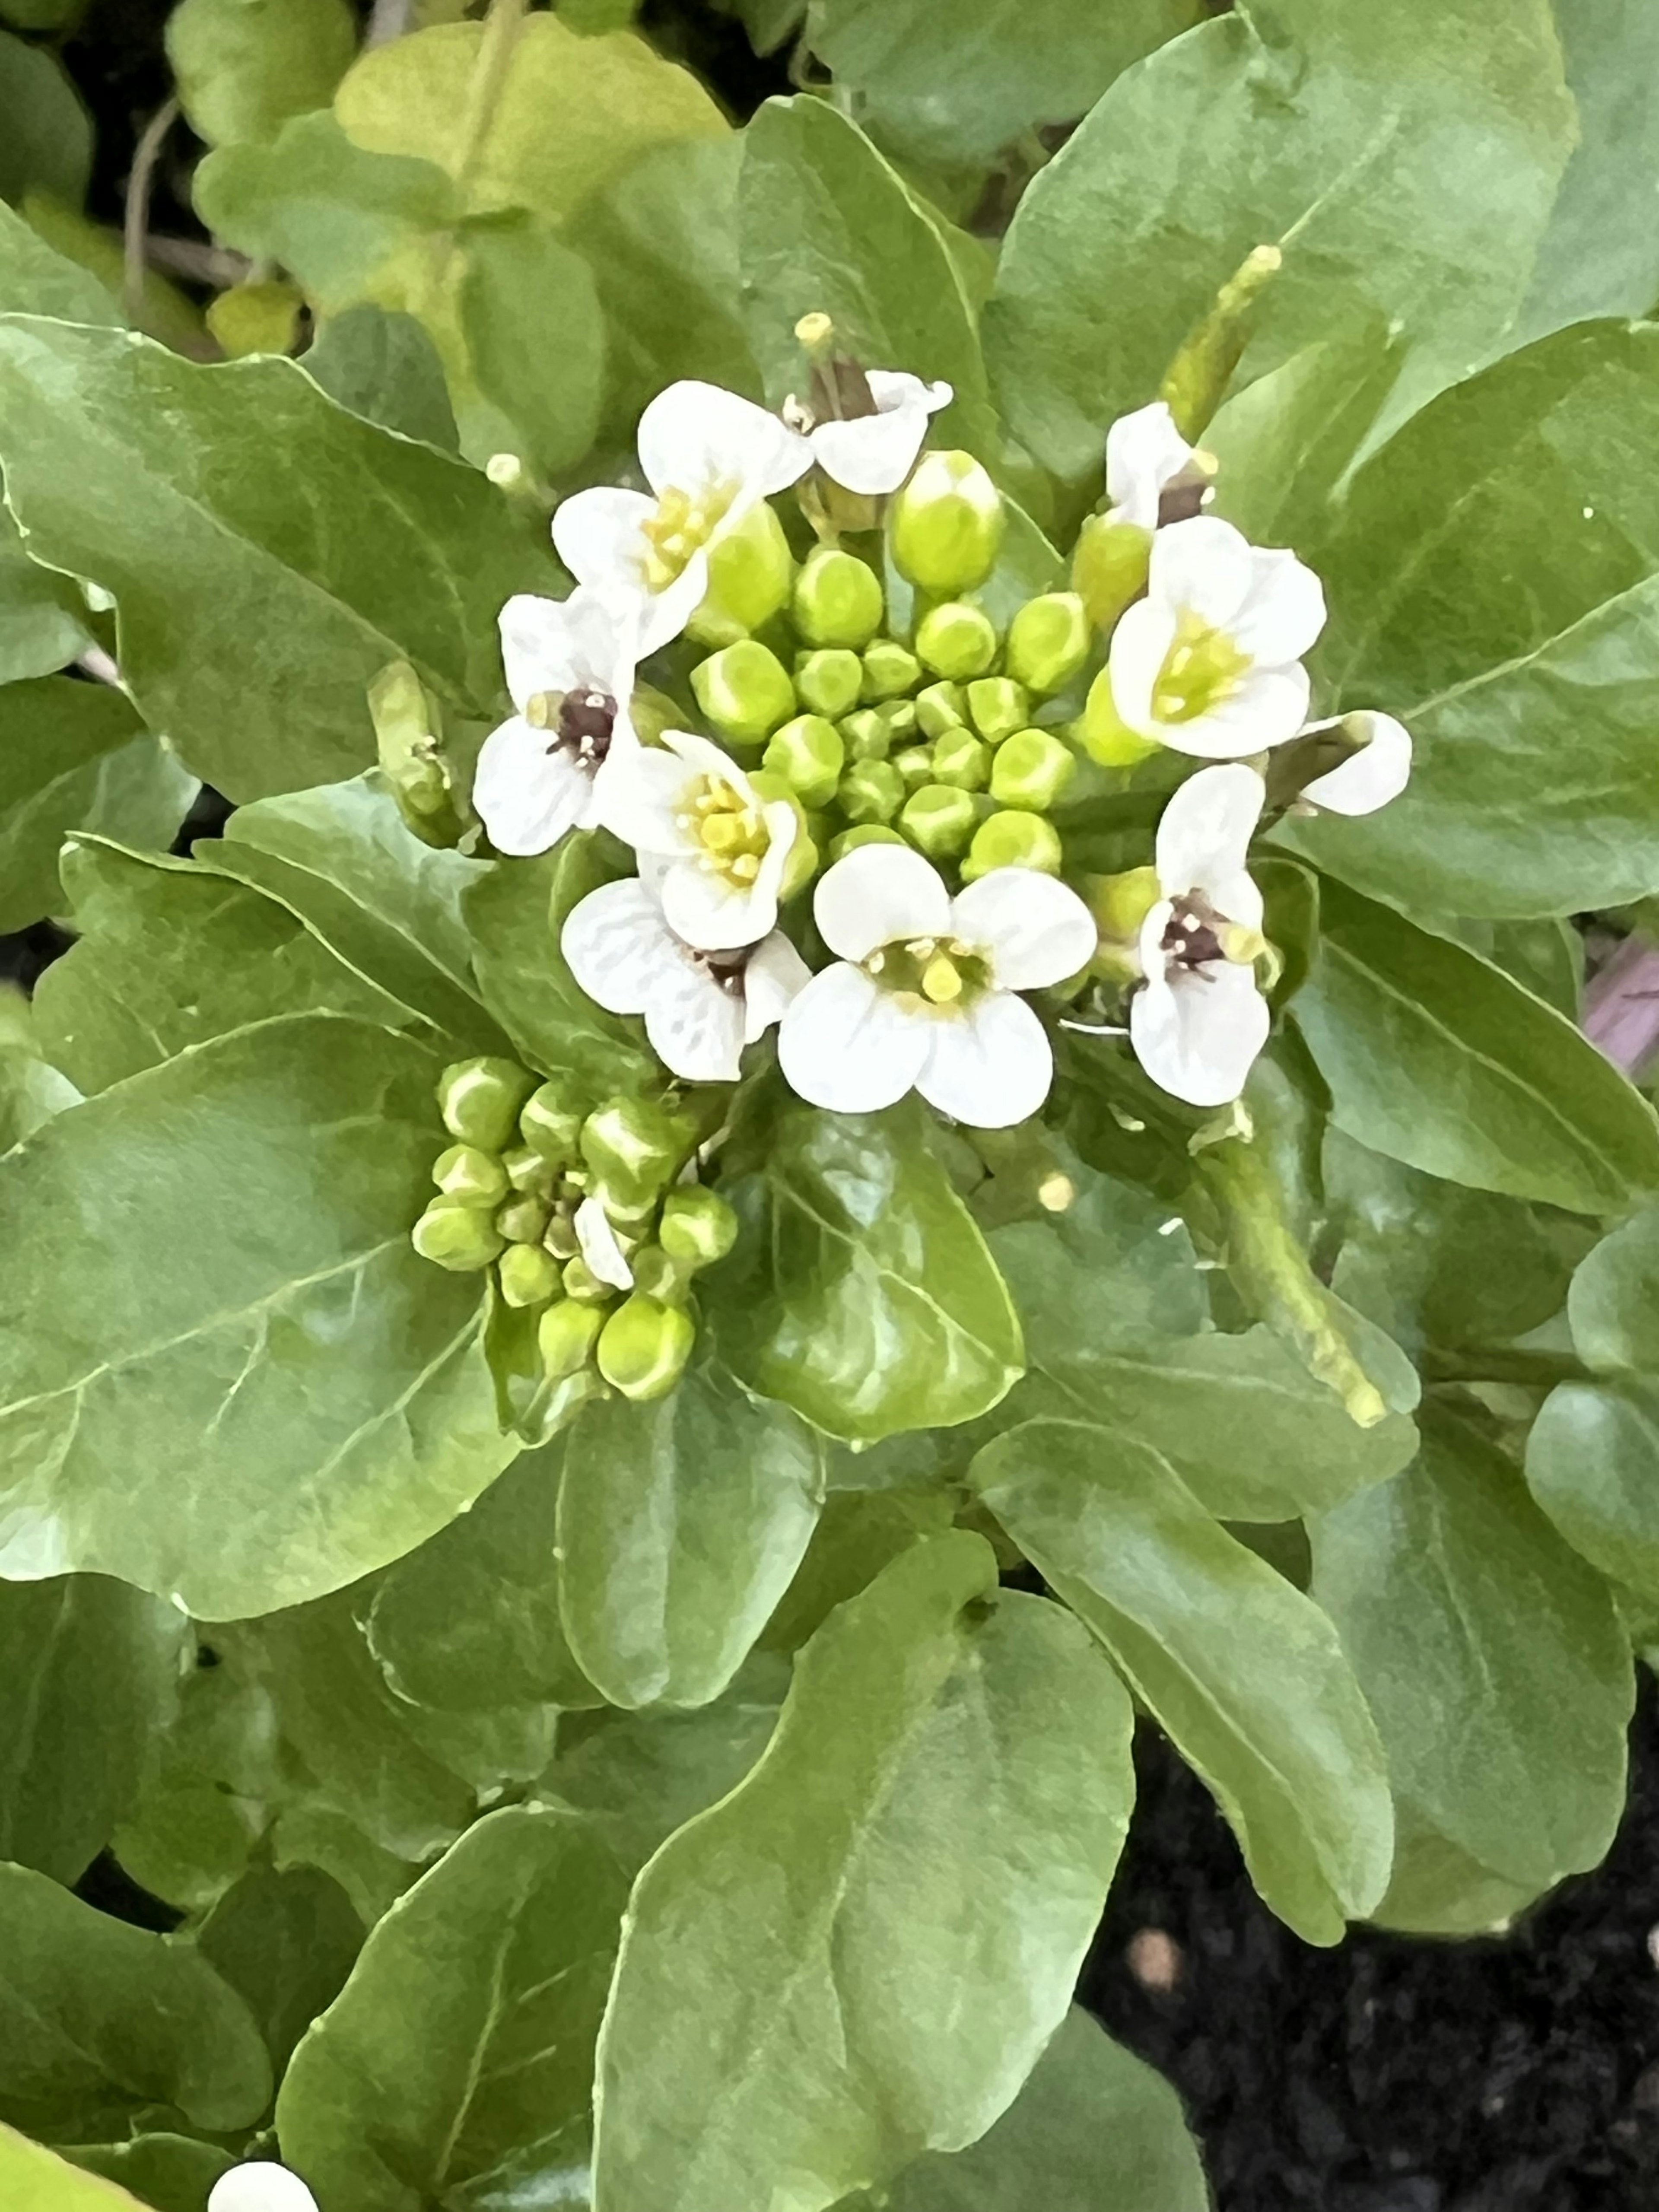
867,833
479,1100
891,670
946,525
829,681
957,640
1014,841
997,707
898,718
566,1335
962,759
1103,736
938,820
838,598
809,755
867,735
472,1177
1109,568
523,1219
528,1275
408,737
644,1346
456,1235
940,707
698,1226
561,1239
581,1284
658,1275
916,766
744,691
750,573
1030,769
548,1126
1049,641
527,1170
801,864
1121,903
870,791
635,1147
1202,368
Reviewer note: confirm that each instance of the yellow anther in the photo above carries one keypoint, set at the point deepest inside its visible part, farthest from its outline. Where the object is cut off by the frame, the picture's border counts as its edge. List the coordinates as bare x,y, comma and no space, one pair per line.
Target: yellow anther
940,982
1056,1192
922,948
542,709
722,834
1244,945
814,333
744,868
1200,670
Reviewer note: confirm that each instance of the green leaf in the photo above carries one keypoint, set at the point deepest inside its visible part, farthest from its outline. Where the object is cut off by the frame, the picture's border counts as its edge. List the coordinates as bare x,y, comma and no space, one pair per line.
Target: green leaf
1492,1661
530,373
359,549
88,1673
31,1089
278,1401
382,365
36,280
1591,1458
455,2067
285,1942
1411,153
1400,1022
76,757
100,2022
936,1727
173,2173
46,144
860,1292
36,2179
42,616
1613,1303
857,1532
681,1525
242,67
1243,1672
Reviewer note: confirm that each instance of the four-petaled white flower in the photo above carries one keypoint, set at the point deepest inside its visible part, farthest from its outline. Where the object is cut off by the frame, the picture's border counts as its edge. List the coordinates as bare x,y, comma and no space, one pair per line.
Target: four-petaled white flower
1198,1021
602,1254
1146,456
701,1009
1378,770
708,457
922,995
259,2184
1210,661
874,453
723,847
569,666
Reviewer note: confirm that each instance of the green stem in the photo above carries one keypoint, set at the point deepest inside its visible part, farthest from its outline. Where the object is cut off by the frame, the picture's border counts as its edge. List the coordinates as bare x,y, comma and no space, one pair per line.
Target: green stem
483,97
1538,1371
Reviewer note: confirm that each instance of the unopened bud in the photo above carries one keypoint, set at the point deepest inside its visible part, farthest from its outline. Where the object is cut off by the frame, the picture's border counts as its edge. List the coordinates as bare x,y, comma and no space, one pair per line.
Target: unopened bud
635,1147
263,317
867,833
1049,641
745,690
644,1346
946,525
867,735
479,1100
898,718
838,599
472,1176
548,1126
1105,736
997,707
1109,568
809,755
527,1170
750,574
566,1337
456,1235
829,681
1122,902
957,640
962,759
658,1275
528,1275
915,766
523,1219
1014,841
1030,769
940,707
938,820
870,791
407,737
698,1226
582,1284
891,670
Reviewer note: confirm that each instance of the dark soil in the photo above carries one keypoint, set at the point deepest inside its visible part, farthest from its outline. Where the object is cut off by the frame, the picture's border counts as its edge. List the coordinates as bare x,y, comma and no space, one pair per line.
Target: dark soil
1394,2074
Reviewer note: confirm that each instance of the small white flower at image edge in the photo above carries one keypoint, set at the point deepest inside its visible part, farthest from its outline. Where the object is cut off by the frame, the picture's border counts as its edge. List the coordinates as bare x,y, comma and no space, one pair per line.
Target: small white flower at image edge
260,2185
873,454
1374,774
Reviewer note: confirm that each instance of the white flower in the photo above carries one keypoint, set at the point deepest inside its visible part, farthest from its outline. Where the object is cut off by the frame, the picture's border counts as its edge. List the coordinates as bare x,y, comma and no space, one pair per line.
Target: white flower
260,2185
1378,770
1144,456
1210,661
874,453
701,1009
569,666
723,847
922,996
708,457
1198,1021
602,1255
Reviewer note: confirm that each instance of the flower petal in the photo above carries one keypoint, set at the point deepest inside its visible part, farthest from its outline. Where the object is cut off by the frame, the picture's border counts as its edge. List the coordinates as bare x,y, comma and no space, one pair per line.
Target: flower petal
1204,836
775,977
1284,610
1369,779
536,648
618,947
991,1066
1144,451
874,453
712,914
1266,706
694,437
527,791
1145,633
641,797
1203,564
664,614
602,1253
259,2184
893,388
695,1026
597,534
1036,930
847,1045
876,894
1197,1033
702,756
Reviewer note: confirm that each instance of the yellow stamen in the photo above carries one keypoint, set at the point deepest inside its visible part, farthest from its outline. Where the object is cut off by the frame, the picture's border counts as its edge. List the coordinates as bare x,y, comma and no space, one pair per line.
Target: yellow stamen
940,981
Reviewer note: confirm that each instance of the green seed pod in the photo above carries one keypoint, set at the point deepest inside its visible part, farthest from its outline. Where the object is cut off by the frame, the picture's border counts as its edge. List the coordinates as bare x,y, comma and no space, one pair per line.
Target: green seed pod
548,1126
829,681
997,707
479,1100
916,766
581,1284
527,1170
660,1276
698,1226
751,572
635,1147
1109,568
838,598
523,1219
456,1235
566,1335
408,734
528,1275
867,833
472,1177
1103,736
957,640
940,707
938,820
1014,841
867,735
744,691
644,1346
809,755
1049,641
1030,769
891,670
870,791
962,759
946,526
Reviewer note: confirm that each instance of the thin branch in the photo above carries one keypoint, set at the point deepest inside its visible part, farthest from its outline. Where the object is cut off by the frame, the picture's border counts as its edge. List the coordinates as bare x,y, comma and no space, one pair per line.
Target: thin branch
388,20
1621,1007
135,229
197,261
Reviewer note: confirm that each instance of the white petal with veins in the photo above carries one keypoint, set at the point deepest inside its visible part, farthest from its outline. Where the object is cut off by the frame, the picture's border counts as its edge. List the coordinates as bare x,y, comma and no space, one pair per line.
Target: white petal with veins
1035,930
877,894
991,1065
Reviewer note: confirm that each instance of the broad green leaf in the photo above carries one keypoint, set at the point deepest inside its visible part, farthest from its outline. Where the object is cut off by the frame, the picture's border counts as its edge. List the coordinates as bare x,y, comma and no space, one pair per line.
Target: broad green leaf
36,2179
34,279
762,2028
1531,791
1593,1465
285,1943
46,146
169,956
455,2069
526,361
857,1532
276,1403
101,2023
1493,1660
382,366
681,1525
88,1674
43,622
1410,154
1242,1671
76,757
360,548
860,1292
1094,2129
31,1089
171,2173
1434,1057
1613,1303
242,67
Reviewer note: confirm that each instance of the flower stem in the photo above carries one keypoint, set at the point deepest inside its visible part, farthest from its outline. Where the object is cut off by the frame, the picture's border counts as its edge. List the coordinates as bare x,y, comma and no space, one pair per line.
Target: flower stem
1538,1371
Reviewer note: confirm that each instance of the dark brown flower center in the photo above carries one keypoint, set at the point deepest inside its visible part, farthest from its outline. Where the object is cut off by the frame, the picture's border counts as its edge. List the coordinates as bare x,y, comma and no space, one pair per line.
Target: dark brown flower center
1192,936
726,969
586,720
